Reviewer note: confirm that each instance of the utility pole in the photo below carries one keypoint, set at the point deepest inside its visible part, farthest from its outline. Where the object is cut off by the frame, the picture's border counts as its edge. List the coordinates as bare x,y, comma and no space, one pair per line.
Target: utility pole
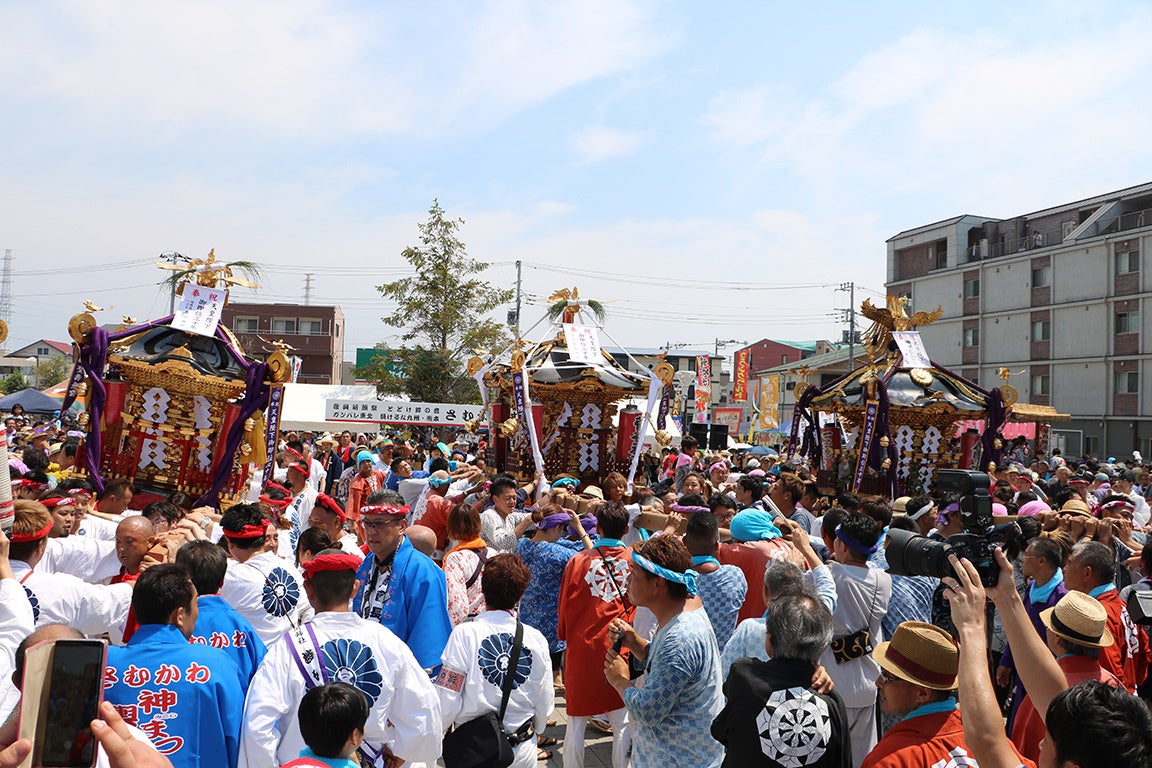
172,257
517,327
6,289
307,289
851,320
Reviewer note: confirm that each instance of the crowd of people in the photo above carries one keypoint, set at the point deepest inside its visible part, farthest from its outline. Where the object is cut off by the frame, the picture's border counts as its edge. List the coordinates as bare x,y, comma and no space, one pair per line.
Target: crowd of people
385,601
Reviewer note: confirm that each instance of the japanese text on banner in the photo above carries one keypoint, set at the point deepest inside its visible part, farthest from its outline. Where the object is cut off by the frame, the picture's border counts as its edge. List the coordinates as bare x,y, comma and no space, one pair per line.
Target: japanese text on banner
199,309
400,412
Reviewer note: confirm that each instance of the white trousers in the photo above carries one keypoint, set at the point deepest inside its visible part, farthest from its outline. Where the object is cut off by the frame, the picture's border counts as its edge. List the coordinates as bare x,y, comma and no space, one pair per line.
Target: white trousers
621,739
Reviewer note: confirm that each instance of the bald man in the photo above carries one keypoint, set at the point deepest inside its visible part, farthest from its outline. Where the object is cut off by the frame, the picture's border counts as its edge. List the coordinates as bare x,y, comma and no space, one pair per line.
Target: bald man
423,538
134,537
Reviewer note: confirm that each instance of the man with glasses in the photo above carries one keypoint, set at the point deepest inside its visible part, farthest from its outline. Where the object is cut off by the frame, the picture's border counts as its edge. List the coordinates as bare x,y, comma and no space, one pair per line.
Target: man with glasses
400,587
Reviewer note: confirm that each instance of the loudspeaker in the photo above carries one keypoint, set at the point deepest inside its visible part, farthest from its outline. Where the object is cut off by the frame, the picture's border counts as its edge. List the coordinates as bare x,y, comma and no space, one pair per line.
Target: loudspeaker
718,438
700,432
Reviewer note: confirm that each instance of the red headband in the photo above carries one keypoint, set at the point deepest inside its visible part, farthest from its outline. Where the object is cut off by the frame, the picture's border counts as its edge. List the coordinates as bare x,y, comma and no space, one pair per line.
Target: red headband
333,506
278,503
294,452
380,509
63,501
1118,503
278,487
300,467
26,483
341,562
247,532
20,538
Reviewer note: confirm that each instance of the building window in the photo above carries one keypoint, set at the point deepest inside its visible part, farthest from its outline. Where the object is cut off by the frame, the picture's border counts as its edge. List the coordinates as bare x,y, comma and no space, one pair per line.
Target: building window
1041,276
1127,383
1041,383
1041,330
971,337
283,325
1127,261
1128,322
41,351
246,324
783,359
311,328
972,288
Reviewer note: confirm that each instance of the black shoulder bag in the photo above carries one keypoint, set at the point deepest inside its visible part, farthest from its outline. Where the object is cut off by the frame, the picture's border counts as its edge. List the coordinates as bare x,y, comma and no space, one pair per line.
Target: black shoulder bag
481,742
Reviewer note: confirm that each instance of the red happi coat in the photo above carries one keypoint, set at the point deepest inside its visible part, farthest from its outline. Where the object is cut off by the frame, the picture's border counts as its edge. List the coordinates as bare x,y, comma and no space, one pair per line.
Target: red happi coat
927,740
1028,727
588,603
1127,657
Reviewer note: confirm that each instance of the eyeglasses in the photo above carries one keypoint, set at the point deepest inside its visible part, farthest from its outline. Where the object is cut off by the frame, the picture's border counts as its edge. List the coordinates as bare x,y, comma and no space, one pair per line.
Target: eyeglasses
887,677
376,524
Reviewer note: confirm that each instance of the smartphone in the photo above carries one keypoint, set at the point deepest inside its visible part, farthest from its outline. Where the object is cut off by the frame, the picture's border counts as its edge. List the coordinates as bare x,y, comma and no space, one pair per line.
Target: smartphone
61,692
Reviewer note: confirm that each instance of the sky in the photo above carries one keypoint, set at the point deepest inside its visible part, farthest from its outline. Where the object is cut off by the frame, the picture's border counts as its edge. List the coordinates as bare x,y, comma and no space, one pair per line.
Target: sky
709,171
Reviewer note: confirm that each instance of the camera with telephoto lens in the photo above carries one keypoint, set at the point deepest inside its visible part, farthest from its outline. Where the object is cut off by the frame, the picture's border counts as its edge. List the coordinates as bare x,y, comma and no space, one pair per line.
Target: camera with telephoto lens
910,554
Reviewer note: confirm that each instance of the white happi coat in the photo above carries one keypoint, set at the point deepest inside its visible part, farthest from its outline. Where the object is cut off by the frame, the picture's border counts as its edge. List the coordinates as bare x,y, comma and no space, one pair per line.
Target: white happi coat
348,544
404,714
16,623
97,528
58,598
88,558
471,680
269,592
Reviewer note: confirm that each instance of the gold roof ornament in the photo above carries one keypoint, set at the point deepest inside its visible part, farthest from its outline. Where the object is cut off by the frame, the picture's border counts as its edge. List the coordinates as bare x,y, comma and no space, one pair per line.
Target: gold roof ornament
207,272
892,317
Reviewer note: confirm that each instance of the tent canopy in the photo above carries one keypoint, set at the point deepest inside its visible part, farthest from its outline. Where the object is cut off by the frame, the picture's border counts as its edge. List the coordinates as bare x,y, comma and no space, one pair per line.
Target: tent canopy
31,400
304,406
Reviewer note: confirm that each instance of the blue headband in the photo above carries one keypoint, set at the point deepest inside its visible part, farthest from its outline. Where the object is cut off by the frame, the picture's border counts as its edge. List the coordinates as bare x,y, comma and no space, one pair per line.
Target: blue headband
753,525
568,481
855,545
688,578
439,482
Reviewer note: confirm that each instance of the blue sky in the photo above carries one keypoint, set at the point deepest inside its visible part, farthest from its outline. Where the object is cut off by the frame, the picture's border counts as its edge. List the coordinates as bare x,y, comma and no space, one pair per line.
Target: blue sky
669,153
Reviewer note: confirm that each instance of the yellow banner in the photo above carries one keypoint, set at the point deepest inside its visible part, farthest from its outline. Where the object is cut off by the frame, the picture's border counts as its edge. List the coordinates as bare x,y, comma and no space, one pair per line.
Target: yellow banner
769,402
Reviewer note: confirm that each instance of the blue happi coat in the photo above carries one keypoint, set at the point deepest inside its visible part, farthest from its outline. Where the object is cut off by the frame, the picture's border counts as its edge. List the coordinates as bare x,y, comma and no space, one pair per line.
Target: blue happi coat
416,603
186,697
222,626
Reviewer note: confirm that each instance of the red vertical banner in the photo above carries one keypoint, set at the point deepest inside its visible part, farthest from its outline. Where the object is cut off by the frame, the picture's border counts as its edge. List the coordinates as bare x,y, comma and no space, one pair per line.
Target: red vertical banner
703,388
740,375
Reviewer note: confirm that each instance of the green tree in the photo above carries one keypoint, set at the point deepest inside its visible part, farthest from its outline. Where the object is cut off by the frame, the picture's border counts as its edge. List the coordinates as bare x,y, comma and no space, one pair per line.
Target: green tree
14,382
51,371
441,308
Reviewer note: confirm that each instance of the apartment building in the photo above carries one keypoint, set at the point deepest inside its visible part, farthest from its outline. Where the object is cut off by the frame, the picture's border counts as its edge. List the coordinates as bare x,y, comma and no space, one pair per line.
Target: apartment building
315,333
1056,297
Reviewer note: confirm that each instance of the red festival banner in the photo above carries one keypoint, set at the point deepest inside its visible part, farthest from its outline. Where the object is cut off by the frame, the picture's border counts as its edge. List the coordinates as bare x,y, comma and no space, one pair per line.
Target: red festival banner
740,387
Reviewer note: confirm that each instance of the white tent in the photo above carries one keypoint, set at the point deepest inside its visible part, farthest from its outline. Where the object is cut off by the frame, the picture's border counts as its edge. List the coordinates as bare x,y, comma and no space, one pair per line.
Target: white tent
304,406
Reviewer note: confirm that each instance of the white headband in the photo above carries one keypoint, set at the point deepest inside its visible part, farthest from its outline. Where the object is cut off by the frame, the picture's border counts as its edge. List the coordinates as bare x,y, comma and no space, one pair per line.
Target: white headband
920,512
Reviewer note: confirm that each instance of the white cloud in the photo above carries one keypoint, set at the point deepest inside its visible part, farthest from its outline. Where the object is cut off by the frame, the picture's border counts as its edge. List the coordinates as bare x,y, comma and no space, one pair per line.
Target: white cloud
159,72
972,119
598,143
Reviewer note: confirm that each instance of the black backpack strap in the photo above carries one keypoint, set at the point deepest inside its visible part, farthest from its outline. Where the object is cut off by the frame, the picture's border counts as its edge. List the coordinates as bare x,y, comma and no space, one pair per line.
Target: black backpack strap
483,555
510,670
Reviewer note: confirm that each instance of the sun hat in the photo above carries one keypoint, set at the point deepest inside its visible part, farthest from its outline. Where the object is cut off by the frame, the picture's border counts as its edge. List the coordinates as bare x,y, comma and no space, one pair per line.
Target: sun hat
1076,507
921,654
1080,619
593,491
901,504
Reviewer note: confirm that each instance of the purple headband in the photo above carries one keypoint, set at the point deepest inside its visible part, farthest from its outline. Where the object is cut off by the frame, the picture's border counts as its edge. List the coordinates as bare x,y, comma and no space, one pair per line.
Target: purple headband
689,510
717,465
853,544
942,513
551,521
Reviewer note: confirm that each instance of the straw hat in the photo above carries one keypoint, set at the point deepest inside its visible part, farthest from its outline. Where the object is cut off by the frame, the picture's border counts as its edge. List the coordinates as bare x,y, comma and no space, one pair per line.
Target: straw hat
901,504
1076,507
327,439
594,492
1080,619
921,654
